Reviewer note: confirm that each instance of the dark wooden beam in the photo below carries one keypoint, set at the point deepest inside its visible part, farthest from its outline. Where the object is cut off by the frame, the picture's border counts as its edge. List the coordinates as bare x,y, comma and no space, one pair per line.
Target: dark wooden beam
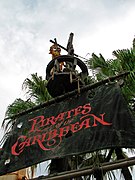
69,94
90,170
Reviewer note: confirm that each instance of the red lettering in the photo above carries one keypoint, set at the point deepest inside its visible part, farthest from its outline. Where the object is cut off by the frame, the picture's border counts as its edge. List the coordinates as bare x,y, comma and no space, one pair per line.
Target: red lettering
52,134
27,142
87,108
13,149
38,140
60,117
49,121
58,125
101,121
44,136
75,127
69,113
85,123
77,110
37,123
68,121
64,131
54,142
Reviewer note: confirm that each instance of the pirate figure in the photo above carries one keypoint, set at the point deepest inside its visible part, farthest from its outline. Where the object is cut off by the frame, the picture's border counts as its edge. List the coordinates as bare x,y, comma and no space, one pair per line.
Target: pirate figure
61,72
55,50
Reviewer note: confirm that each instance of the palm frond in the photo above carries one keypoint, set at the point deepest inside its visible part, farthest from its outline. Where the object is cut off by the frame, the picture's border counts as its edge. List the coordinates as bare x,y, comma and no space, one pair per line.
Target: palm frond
36,88
16,107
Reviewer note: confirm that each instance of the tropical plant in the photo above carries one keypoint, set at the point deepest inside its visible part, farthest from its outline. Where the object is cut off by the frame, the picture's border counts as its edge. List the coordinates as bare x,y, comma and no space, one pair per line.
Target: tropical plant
124,61
36,92
36,89
16,107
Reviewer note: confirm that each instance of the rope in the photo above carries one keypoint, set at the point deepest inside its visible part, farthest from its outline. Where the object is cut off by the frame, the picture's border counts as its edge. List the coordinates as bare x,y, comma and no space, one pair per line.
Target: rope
78,86
71,78
67,50
53,73
72,93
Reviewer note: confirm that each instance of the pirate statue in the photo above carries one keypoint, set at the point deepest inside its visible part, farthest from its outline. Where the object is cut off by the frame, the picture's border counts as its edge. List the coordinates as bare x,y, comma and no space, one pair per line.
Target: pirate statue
55,50
62,78
62,71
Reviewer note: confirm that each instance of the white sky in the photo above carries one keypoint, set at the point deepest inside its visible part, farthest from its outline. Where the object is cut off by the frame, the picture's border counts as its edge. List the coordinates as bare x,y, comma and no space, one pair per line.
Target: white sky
26,26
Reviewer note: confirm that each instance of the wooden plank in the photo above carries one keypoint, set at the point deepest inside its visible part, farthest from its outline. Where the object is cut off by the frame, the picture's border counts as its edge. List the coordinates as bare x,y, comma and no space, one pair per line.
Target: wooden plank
90,170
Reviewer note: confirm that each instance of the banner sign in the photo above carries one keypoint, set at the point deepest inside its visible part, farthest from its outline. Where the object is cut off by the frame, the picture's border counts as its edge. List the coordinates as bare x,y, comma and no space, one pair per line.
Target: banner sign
84,123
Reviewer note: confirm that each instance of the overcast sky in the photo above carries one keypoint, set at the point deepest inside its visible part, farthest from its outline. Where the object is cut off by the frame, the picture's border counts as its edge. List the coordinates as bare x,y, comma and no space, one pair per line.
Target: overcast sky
26,26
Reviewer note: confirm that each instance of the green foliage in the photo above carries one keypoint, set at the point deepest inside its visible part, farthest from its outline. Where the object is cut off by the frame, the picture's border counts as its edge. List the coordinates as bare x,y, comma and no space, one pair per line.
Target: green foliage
126,58
124,61
89,80
16,107
36,89
37,93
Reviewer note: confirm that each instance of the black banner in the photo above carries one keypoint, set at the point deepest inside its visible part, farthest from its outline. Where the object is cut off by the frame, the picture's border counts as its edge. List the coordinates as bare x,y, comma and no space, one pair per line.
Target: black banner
84,123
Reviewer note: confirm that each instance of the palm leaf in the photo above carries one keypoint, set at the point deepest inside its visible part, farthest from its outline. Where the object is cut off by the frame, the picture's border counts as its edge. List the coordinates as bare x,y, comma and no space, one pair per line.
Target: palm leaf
36,88
16,107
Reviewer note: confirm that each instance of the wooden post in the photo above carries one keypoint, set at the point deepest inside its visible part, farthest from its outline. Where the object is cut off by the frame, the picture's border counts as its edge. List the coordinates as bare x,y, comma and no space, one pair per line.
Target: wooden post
89,170
69,94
